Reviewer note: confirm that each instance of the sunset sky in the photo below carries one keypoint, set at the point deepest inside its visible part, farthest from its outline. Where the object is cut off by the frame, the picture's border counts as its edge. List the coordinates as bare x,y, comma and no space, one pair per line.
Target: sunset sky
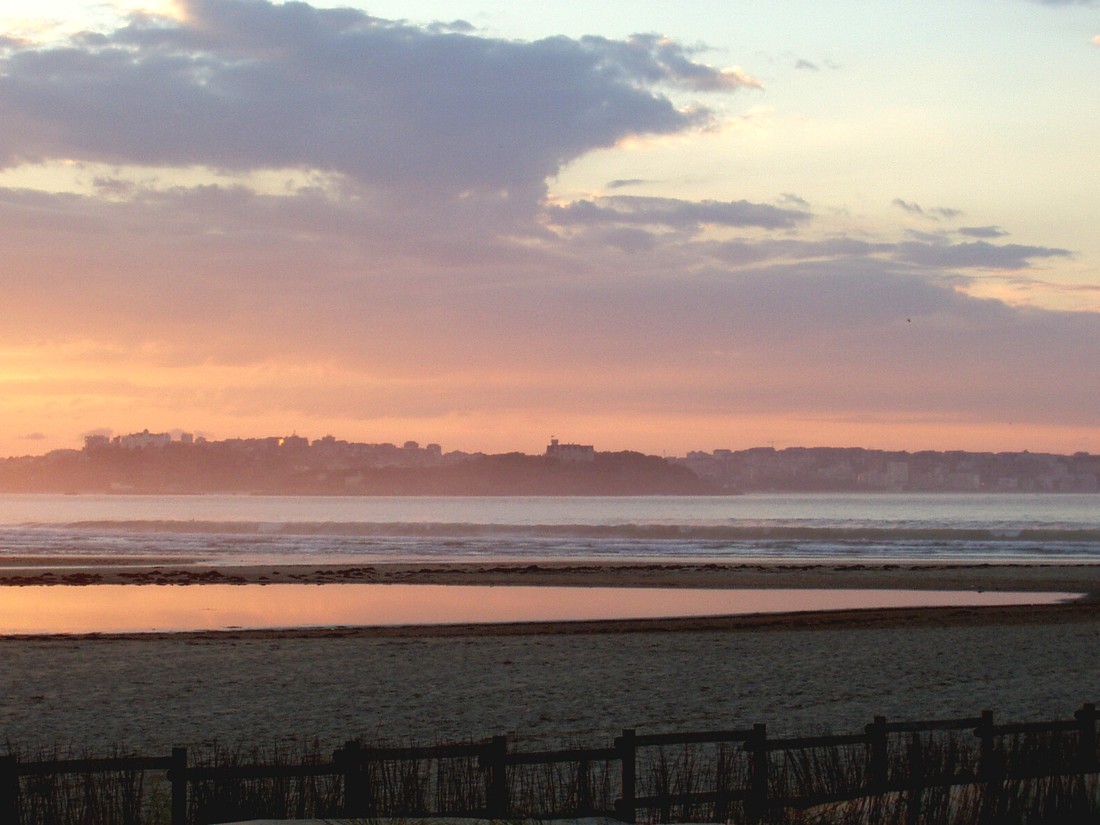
660,226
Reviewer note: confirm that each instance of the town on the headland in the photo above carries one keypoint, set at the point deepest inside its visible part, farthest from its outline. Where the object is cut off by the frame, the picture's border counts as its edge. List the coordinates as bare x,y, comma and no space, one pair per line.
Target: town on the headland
181,463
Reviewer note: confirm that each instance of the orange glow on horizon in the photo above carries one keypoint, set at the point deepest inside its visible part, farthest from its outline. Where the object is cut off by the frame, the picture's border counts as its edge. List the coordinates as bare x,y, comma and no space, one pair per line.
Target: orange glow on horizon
61,421
51,395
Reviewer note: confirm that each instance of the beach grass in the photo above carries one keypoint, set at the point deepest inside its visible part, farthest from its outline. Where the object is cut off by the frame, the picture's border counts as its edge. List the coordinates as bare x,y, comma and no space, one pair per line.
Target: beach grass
807,786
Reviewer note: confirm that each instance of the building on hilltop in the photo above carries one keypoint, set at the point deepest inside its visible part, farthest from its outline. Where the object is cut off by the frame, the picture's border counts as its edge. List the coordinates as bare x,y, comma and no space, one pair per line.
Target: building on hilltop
96,441
572,453
144,439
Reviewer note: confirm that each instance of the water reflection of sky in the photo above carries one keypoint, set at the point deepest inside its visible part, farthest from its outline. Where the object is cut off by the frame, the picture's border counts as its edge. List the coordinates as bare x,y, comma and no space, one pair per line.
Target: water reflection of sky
141,608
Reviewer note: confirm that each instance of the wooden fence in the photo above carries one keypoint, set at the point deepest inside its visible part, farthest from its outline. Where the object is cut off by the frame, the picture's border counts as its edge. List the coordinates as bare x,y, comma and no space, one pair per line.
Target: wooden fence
732,775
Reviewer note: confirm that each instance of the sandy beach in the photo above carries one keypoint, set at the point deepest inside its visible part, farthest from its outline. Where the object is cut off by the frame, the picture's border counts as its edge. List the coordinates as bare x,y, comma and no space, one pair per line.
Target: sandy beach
558,681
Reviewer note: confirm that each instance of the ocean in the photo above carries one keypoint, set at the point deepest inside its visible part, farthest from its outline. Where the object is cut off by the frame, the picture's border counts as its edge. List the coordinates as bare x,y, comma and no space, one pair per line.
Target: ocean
235,530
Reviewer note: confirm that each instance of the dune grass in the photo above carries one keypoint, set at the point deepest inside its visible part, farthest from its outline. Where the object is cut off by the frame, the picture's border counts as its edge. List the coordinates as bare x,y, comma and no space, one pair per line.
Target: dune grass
935,778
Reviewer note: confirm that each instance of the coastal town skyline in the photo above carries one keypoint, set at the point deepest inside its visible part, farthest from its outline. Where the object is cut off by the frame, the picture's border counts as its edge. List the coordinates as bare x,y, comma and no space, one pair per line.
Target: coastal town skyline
545,445
180,462
654,227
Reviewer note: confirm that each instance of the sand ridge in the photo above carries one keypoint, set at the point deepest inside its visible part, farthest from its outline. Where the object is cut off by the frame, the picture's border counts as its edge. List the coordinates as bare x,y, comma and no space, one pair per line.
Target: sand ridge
1017,577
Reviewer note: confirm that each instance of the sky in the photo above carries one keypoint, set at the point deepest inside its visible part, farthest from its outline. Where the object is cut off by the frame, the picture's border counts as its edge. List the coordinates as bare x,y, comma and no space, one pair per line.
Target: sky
662,226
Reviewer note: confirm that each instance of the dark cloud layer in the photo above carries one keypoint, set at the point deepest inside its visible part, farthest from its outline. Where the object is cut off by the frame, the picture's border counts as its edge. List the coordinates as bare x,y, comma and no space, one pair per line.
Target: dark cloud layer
677,214
931,252
776,325
621,183
982,231
977,254
245,84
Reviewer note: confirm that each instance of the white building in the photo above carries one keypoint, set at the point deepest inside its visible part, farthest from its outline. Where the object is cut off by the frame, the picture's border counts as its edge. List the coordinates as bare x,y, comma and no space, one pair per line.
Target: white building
574,453
144,439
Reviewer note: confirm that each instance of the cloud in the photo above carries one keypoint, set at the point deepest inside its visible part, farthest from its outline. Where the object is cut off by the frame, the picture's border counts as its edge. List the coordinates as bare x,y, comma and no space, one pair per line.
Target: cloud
33,437
933,212
978,254
427,272
1096,40
794,200
626,239
622,183
806,65
461,26
306,307
676,214
247,84
982,231
659,59
926,237
740,253
929,250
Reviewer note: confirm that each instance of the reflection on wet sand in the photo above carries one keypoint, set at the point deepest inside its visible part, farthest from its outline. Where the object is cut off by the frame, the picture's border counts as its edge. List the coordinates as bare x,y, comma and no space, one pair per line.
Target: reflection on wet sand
144,608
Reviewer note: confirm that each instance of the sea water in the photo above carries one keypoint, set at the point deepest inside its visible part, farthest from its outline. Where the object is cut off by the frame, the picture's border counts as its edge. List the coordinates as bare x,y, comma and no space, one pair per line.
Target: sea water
237,529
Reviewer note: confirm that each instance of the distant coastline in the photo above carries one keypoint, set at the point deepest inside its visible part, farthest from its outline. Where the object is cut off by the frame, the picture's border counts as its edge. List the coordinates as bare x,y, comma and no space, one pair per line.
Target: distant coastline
158,463
294,466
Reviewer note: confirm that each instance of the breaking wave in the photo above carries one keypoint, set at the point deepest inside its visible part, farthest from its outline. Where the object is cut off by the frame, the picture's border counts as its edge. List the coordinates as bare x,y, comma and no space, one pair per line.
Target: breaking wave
642,532
243,530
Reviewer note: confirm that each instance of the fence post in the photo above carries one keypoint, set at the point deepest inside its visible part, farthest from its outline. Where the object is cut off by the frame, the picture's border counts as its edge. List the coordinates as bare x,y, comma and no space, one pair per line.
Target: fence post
350,760
9,789
584,788
628,759
496,778
985,733
722,784
915,792
1086,743
992,769
177,774
756,805
876,737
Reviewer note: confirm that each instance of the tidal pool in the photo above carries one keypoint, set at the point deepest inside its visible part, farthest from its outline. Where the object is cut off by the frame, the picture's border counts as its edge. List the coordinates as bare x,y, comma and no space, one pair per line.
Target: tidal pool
158,608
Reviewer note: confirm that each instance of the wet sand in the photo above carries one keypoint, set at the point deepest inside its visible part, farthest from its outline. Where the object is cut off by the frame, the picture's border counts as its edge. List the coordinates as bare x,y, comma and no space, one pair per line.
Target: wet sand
559,682
541,685
1022,577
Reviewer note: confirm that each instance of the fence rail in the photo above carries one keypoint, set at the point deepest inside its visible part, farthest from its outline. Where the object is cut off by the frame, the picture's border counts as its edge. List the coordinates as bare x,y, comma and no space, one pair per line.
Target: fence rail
716,775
